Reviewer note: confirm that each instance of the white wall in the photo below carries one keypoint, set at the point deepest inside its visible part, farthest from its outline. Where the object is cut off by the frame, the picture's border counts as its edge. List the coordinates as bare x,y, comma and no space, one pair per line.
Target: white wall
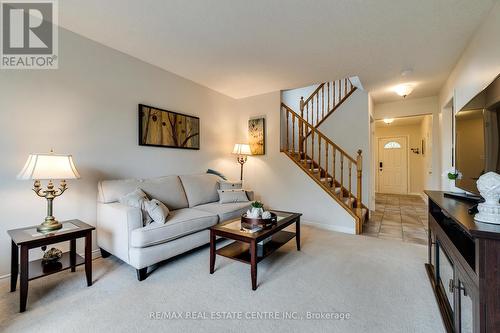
277,181
88,107
413,107
292,97
476,68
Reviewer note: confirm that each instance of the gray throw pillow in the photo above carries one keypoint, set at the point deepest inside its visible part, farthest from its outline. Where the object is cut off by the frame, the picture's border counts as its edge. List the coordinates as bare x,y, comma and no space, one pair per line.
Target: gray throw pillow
227,185
157,211
232,196
137,199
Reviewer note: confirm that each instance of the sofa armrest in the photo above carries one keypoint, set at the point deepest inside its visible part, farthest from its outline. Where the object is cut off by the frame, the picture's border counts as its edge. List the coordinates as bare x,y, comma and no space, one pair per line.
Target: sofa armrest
250,195
115,222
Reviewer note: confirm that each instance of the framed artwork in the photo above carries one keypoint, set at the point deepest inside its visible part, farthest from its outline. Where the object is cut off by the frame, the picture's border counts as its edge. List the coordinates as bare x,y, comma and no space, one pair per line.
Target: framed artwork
256,136
163,128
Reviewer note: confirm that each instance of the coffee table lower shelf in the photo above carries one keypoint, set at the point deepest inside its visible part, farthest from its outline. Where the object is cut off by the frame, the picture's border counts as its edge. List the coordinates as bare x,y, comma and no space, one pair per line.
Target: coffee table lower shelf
241,251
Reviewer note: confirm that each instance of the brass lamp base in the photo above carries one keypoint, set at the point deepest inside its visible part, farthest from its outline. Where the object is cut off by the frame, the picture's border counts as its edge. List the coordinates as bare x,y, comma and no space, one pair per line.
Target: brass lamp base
50,194
49,226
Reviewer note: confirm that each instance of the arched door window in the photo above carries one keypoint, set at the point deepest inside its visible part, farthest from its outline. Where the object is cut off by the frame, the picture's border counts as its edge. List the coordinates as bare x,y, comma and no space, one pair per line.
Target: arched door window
392,145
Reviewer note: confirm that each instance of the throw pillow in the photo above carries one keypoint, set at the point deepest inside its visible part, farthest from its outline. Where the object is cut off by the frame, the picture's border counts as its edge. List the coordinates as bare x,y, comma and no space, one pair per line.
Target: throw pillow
137,199
226,185
232,196
157,210
217,173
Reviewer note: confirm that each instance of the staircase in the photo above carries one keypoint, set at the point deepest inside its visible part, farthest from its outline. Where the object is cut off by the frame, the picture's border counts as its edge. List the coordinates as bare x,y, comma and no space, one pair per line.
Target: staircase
317,155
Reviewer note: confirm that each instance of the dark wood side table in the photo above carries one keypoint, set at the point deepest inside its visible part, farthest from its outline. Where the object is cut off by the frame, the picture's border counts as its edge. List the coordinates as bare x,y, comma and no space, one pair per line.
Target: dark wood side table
246,246
29,238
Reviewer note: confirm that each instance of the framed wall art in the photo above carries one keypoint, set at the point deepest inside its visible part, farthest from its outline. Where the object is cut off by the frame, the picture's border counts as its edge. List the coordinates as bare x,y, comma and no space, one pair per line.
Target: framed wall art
163,128
257,135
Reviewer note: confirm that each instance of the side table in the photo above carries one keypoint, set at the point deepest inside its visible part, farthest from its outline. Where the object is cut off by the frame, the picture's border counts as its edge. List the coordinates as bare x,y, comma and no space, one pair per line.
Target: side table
29,238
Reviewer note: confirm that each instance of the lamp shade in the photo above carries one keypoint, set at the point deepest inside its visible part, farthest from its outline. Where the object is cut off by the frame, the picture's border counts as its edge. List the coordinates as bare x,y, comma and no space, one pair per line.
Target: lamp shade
49,166
242,149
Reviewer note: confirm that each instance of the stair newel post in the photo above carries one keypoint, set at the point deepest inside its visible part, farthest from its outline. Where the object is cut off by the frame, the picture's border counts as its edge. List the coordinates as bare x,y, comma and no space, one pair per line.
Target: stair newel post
359,168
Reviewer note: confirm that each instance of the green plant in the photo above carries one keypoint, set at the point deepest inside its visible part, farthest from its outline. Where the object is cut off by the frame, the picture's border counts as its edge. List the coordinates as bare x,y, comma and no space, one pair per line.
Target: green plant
257,204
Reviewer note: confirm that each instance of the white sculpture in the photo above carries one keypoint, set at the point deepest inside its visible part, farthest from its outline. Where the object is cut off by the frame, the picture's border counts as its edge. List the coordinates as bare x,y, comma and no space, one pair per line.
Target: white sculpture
266,215
489,187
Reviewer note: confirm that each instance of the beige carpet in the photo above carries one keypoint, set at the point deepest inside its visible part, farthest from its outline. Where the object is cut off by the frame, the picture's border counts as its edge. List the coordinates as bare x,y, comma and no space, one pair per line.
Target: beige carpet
382,284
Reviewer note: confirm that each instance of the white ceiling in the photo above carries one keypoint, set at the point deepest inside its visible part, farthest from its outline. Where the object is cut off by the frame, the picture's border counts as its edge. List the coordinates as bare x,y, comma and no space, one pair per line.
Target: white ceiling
243,48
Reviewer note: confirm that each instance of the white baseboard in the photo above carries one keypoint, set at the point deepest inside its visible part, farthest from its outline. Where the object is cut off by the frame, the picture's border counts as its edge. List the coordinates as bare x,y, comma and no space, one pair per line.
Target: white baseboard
95,254
345,230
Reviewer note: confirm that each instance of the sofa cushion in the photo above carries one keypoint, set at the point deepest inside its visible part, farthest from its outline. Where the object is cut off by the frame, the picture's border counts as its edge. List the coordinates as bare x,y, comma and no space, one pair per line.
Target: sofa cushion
226,211
227,185
200,189
232,196
167,189
179,223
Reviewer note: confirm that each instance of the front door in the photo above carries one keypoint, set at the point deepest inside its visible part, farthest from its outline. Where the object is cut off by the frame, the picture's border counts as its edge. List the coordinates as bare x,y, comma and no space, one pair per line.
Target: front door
392,165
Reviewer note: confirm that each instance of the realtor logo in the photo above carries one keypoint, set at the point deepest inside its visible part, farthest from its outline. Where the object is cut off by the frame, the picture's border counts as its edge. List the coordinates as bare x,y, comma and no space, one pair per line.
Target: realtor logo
29,37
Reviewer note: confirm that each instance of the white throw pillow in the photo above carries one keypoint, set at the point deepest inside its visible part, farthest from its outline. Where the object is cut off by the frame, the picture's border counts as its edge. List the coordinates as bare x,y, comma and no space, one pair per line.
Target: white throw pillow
157,210
137,199
227,185
231,196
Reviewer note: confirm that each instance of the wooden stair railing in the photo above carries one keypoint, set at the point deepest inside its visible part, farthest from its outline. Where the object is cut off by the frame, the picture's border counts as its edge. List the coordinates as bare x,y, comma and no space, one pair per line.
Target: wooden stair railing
325,162
324,101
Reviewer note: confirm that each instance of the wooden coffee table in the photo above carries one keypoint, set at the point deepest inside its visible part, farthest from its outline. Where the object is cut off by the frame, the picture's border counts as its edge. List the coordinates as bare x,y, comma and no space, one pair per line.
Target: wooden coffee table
246,247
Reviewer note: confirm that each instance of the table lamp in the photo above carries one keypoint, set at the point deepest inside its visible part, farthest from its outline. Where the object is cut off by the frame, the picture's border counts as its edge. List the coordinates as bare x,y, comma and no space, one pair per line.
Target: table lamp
49,167
242,150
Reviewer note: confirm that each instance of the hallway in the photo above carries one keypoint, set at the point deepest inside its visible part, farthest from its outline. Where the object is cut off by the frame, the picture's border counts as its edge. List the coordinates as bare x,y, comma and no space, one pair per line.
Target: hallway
398,217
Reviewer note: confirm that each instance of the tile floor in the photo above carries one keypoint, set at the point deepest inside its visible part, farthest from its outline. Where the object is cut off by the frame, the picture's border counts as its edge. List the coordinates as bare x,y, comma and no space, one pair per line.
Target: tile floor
398,217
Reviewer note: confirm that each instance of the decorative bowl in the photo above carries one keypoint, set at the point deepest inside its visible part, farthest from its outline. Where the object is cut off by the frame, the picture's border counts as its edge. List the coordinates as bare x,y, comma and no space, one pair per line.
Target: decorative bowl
51,256
251,223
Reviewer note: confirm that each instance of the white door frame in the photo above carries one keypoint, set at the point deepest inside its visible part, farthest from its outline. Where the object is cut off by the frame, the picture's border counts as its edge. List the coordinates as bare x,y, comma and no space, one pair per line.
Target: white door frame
408,175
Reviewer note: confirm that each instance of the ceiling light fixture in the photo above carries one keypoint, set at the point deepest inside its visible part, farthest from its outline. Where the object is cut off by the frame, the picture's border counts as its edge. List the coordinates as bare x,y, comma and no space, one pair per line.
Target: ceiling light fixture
388,120
403,90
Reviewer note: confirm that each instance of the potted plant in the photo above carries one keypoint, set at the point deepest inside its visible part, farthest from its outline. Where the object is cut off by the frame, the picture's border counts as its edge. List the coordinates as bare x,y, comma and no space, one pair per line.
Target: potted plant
453,174
257,209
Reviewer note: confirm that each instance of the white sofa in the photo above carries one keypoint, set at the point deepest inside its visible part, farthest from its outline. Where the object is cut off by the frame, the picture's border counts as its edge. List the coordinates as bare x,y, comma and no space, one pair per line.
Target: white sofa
194,204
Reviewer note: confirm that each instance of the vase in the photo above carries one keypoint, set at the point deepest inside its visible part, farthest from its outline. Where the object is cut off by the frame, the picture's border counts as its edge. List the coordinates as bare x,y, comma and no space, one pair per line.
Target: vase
257,211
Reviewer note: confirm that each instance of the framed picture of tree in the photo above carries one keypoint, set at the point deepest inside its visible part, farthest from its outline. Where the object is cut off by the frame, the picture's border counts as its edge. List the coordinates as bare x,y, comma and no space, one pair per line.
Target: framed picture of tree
257,135
163,128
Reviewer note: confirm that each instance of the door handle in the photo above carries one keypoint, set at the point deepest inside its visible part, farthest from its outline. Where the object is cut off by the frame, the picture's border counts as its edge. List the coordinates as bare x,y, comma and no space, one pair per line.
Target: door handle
380,165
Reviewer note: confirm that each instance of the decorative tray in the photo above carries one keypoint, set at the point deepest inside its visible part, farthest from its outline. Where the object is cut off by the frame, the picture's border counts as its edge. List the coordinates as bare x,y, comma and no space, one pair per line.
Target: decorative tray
252,223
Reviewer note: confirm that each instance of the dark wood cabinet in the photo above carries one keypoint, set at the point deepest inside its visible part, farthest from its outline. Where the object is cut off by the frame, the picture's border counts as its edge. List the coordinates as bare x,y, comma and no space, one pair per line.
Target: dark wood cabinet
463,266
